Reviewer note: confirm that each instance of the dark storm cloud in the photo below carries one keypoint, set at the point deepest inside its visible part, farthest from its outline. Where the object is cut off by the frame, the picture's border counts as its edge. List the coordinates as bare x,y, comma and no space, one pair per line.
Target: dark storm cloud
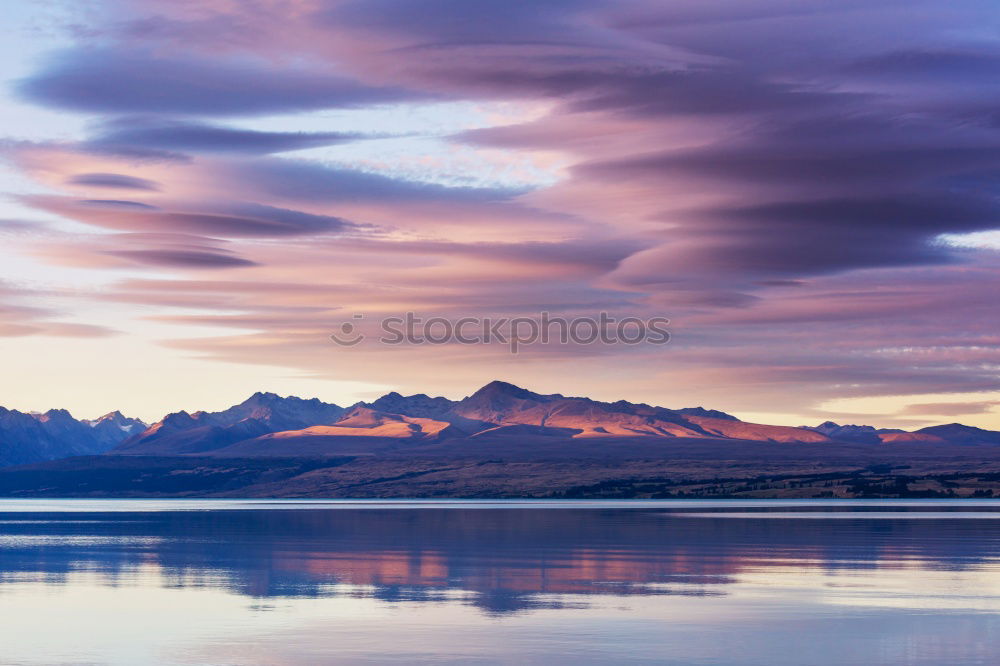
127,81
203,138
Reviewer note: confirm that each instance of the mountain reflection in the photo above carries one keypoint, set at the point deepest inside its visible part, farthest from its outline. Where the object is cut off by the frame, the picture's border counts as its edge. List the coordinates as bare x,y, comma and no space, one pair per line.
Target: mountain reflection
499,560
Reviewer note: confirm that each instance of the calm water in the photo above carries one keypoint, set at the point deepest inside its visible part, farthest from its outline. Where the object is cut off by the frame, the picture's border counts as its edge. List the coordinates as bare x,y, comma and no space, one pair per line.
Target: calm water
221,582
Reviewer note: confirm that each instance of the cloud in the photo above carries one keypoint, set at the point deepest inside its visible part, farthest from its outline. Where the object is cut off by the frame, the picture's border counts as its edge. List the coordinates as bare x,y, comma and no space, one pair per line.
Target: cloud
457,21
74,330
813,166
203,138
139,250
138,81
227,220
596,256
928,65
949,408
182,258
806,197
20,320
310,181
652,91
113,181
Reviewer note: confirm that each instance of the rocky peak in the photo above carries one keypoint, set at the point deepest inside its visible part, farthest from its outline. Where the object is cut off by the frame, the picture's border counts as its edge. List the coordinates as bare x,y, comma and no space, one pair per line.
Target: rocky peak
708,413
54,415
499,389
421,405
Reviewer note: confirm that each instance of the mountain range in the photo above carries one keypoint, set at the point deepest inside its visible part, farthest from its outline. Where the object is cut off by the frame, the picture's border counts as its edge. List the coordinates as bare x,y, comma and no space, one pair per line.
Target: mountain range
268,425
501,441
498,415
32,437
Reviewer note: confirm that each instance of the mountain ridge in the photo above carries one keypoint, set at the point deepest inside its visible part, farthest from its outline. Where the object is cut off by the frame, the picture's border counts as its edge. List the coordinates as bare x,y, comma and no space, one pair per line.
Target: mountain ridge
28,437
499,414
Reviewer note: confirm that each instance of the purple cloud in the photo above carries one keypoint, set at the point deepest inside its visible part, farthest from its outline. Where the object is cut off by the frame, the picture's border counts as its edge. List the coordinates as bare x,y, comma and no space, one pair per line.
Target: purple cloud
113,181
310,181
202,138
240,220
136,81
182,258
457,21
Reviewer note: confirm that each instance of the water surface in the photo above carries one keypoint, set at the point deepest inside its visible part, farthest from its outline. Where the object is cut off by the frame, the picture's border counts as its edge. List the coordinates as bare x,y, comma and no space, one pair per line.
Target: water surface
672,582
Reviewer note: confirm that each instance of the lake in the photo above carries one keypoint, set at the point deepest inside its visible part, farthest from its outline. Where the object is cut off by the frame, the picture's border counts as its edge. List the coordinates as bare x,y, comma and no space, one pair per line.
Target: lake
463,582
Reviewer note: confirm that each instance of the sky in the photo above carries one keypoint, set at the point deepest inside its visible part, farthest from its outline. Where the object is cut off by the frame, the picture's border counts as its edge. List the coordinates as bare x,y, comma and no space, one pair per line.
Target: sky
195,195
